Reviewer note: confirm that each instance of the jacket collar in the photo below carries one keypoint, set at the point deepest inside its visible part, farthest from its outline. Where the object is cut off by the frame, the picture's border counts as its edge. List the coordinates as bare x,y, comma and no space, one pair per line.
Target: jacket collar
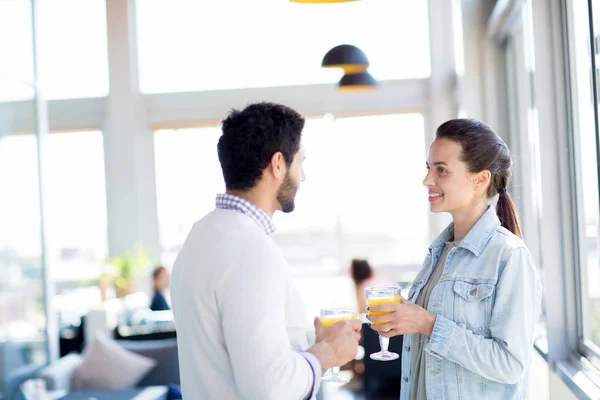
477,238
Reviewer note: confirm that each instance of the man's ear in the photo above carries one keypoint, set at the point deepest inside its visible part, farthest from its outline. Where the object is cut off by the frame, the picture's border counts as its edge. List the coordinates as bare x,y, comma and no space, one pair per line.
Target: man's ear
278,165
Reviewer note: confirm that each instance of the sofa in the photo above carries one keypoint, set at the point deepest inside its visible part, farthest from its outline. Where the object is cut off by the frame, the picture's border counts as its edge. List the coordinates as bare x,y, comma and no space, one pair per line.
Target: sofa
17,364
58,375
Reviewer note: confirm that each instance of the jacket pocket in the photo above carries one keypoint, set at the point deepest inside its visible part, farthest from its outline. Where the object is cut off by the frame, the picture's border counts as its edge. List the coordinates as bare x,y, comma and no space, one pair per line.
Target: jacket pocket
473,305
474,291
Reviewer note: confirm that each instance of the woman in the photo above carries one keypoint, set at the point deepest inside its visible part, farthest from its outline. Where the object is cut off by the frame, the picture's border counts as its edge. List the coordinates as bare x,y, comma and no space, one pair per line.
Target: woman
470,316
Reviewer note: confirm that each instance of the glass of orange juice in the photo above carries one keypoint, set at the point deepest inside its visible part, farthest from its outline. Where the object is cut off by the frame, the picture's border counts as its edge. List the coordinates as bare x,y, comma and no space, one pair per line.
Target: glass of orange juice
376,296
330,316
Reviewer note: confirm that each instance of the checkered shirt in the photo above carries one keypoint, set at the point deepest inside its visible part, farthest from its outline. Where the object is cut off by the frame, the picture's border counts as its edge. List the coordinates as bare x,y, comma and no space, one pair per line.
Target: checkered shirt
235,203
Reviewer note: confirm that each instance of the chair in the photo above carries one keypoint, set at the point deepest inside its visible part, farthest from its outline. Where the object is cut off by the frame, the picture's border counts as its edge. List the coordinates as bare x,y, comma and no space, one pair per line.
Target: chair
164,352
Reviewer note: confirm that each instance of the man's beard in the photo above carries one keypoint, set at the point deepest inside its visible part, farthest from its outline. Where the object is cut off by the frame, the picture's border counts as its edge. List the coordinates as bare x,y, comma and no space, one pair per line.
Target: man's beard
286,194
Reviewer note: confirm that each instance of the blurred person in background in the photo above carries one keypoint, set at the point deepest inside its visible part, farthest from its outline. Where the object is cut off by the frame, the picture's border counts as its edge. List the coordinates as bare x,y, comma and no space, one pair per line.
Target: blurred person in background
364,276
161,281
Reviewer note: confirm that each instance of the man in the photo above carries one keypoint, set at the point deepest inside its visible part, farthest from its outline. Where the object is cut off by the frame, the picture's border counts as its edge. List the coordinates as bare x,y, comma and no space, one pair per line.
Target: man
241,327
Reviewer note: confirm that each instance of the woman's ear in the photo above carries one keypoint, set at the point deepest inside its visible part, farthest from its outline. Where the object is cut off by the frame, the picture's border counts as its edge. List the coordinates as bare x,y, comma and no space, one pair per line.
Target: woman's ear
483,178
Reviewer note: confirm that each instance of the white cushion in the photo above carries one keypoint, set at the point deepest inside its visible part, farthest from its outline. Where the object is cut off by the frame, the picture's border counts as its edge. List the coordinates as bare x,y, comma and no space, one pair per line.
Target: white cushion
108,366
58,374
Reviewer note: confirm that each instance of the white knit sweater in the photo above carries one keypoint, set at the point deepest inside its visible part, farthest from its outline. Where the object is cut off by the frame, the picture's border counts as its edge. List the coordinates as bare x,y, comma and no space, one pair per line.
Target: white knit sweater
239,318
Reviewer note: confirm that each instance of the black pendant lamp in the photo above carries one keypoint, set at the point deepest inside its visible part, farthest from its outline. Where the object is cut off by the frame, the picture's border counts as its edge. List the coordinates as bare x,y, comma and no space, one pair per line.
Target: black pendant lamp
360,82
354,63
347,57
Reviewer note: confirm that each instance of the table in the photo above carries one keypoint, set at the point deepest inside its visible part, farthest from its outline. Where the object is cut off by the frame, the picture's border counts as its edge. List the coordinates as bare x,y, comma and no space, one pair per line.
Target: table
146,393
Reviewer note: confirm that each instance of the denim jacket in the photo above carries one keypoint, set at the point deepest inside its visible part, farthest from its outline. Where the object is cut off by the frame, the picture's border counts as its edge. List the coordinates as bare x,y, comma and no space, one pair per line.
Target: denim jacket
487,303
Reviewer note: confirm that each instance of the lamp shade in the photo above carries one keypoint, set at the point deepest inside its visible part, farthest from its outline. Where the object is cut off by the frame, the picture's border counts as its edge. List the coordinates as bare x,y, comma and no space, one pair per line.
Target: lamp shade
357,82
347,57
321,1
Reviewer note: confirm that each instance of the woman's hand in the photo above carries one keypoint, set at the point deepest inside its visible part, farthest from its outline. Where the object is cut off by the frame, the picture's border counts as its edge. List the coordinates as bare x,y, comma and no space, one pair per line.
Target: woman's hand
406,318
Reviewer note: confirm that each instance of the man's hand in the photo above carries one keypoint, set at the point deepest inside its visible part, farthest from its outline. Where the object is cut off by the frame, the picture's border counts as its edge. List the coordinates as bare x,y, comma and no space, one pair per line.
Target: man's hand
337,344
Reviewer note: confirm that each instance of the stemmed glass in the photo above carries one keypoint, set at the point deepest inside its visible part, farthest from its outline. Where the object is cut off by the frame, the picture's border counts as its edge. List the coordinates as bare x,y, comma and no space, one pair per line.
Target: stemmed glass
330,316
376,296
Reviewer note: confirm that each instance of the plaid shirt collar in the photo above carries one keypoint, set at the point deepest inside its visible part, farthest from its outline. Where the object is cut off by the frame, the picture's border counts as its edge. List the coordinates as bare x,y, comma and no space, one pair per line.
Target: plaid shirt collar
235,203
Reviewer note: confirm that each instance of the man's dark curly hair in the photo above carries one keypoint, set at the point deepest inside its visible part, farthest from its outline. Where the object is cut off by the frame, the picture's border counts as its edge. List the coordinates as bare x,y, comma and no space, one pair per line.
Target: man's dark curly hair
251,137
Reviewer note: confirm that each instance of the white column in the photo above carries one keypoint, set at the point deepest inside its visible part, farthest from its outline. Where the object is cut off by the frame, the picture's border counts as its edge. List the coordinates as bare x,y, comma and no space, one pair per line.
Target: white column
442,89
128,141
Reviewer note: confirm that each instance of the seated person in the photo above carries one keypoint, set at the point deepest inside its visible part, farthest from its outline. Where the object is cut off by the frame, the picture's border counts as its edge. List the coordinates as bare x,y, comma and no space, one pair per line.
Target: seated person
161,280
363,276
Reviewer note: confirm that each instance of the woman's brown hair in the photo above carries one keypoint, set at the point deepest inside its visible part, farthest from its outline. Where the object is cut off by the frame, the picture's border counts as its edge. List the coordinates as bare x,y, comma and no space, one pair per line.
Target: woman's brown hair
483,149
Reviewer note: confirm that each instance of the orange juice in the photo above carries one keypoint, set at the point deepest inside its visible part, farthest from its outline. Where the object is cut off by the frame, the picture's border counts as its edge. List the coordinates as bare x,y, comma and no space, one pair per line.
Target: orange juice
331,321
379,302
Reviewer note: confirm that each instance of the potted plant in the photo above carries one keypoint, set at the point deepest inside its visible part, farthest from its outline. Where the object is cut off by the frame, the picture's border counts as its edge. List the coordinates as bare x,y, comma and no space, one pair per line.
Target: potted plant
124,269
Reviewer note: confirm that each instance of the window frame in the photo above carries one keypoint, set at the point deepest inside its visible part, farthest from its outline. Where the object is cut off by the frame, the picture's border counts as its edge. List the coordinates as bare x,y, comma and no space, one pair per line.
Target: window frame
585,346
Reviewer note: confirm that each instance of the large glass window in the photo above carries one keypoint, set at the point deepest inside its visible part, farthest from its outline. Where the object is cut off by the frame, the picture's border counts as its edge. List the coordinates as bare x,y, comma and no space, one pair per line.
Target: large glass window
23,339
190,45
75,212
523,134
74,200
20,241
188,176
73,56
16,47
358,199
587,140
360,196
75,197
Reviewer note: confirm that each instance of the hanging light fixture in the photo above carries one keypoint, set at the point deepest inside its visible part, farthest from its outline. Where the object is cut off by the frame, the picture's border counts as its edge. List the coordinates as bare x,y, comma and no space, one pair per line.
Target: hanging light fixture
347,57
360,82
354,63
320,1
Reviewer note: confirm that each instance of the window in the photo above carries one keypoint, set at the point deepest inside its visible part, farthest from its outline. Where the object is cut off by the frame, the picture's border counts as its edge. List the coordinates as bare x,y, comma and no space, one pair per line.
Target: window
75,224
587,137
188,177
188,45
358,199
22,314
523,134
75,198
16,47
20,210
22,298
73,55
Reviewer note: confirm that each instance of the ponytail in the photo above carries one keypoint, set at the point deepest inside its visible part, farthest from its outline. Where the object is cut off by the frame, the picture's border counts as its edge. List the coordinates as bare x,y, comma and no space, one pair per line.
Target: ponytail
507,213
